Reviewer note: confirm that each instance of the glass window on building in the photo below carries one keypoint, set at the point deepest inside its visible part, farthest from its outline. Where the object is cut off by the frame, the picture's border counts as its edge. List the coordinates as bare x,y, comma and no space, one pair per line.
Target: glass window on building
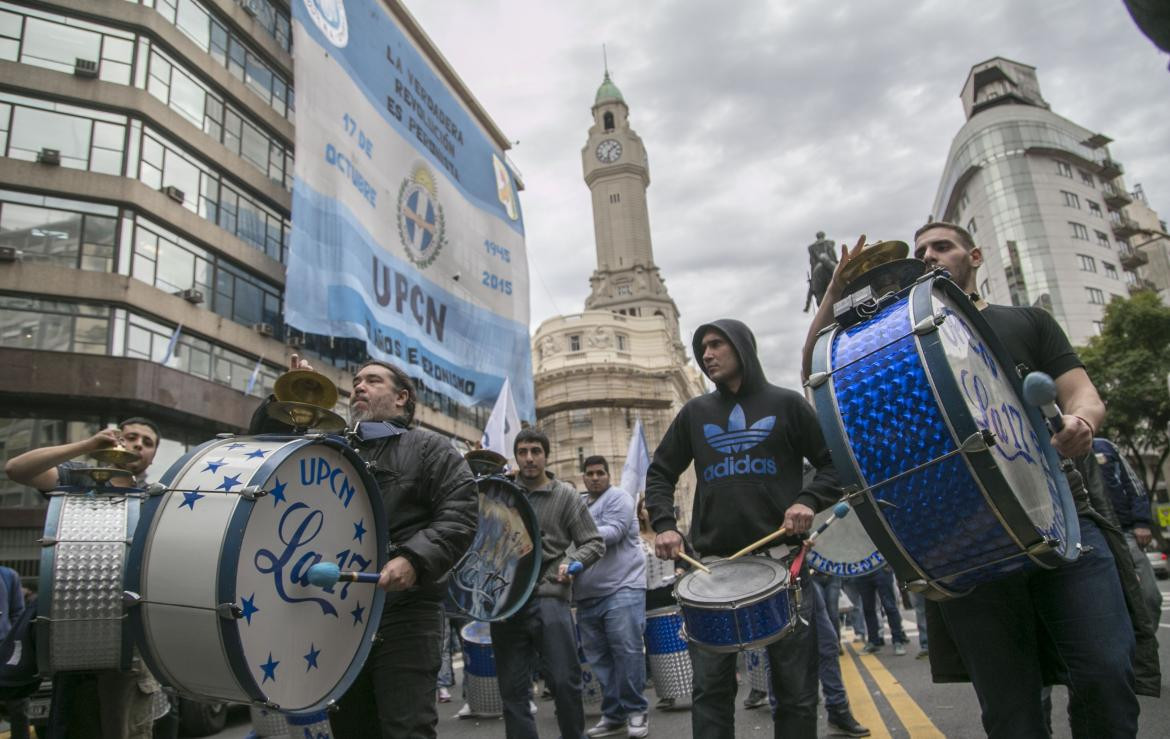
1071,199
1096,297
20,435
75,234
84,138
1110,270
49,325
1087,178
1064,169
1079,231
1094,208
623,342
1102,239
1088,264
574,342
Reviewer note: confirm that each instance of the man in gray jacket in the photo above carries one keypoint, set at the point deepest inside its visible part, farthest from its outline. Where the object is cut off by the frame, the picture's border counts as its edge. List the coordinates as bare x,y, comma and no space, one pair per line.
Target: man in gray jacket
611,607
541,632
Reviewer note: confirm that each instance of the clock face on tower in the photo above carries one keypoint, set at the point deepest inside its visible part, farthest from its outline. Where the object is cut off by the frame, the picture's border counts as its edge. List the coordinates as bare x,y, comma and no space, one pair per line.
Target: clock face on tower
609,151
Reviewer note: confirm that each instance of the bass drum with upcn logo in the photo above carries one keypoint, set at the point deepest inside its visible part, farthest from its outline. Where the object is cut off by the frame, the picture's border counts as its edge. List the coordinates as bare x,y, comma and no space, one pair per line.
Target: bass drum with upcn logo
220,562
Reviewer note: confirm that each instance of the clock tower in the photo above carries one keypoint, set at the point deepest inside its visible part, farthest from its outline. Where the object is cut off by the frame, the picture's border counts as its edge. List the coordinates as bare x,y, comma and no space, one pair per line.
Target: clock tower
617,172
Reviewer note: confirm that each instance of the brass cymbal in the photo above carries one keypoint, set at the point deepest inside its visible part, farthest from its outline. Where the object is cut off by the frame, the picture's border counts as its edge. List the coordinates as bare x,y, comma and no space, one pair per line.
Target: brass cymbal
888,277
102,475
305,416
117,455
306,386
872,256
485,461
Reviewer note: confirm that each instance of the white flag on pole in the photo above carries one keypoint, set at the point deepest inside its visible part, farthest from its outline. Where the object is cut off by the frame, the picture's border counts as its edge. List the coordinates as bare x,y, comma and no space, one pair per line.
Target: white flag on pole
503,424
637,463
255,376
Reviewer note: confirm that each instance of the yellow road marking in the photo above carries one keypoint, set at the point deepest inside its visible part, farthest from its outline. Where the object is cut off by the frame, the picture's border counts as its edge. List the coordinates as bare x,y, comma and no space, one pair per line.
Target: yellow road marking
864,709
908,712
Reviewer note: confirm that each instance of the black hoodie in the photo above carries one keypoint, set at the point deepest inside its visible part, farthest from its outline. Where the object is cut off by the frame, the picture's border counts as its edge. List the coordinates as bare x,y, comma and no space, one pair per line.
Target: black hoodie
748,448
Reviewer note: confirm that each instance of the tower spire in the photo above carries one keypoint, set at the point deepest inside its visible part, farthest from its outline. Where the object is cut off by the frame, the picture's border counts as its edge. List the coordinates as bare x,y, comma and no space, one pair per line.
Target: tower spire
605,60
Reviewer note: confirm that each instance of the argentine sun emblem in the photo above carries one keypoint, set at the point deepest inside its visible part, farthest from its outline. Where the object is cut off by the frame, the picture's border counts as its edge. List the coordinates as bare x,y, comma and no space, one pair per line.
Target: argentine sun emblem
420,218
329,17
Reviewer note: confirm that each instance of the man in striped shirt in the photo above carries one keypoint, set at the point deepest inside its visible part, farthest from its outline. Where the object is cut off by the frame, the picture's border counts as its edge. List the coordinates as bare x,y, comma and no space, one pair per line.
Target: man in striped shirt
543,627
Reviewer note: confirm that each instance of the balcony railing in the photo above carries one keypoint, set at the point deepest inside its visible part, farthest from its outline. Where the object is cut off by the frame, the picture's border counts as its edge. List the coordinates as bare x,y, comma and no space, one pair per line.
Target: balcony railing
1133,258
1124,226
1107,169
1116,198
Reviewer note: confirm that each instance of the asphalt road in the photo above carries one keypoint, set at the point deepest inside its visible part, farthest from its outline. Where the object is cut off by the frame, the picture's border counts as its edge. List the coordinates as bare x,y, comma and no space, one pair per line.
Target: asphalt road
892,696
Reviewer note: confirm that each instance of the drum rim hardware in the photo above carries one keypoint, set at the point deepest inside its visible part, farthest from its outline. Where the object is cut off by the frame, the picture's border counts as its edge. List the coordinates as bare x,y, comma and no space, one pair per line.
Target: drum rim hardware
786,586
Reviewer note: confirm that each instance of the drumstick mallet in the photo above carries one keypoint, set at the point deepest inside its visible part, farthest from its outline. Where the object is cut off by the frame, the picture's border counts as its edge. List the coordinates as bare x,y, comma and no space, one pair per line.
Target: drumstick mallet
694,562
326,574
1040,391
841,510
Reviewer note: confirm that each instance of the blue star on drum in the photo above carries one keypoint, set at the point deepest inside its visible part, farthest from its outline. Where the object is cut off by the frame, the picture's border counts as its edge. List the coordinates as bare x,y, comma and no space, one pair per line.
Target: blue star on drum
190,498
256,454
249,608
359,530
311,657
229,483
269,669
357,614
277,492
214,465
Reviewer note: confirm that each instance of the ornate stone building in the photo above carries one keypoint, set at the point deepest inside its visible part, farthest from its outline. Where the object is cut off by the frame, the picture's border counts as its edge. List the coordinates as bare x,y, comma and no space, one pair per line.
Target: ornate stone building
622,359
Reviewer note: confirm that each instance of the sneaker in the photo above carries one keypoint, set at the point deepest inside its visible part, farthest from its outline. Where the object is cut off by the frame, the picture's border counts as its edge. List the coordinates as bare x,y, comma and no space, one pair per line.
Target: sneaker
922,654
871,648
639,725
841,722
755,699
899,649
664,704
464,712
532,706
606,727
444,695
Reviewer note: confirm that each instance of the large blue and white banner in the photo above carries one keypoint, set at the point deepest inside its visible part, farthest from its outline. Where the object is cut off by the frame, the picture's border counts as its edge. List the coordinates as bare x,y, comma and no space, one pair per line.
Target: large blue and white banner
407,230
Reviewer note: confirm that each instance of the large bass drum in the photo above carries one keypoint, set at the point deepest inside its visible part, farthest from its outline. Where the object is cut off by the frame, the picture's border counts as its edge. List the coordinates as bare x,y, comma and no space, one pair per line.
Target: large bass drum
220,565
498,572
951,474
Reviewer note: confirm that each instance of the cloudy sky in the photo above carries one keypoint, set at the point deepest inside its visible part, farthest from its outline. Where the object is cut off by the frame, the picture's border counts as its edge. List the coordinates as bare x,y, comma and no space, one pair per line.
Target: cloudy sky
766,122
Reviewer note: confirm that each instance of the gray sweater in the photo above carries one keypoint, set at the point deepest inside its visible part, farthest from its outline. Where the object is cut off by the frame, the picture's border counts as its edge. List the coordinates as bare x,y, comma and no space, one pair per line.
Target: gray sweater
567,532
623,565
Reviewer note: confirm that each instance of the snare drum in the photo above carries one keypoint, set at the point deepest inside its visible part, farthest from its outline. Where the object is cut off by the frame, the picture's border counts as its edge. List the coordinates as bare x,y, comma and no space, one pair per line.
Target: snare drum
81,622
844,549
670,662
741,604
479,670
499,570
220,565
954,477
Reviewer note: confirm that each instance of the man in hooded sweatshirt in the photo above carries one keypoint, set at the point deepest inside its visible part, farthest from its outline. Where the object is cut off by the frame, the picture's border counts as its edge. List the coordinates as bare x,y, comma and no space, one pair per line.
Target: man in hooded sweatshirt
748,440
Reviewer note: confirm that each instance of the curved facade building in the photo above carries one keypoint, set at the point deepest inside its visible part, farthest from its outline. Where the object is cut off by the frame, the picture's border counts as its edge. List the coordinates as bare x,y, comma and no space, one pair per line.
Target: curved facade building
146,167
1043,199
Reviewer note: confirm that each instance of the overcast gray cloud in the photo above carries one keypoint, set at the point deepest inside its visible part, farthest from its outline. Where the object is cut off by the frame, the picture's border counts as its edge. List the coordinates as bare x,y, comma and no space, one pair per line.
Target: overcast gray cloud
766,122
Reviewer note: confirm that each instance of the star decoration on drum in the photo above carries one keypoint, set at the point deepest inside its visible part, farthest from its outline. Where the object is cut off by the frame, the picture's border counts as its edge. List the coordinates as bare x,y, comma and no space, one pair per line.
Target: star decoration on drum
277,492
269,669
256,454
190,498
249,608
236,445
214,465
229,483
359,530
311,657
357,614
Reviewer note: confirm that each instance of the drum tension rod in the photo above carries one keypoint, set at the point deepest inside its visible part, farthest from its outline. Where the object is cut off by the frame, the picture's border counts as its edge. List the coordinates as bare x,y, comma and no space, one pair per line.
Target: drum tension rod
929,325
229,611
252,492
980,441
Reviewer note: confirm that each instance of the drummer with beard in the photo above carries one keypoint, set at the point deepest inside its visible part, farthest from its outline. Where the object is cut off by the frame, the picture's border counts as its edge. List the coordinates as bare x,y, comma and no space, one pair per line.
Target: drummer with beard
748,440
1075,624
431,510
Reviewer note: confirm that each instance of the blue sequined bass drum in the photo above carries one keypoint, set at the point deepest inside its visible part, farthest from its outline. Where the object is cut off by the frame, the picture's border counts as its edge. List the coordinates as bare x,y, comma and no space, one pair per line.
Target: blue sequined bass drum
952,475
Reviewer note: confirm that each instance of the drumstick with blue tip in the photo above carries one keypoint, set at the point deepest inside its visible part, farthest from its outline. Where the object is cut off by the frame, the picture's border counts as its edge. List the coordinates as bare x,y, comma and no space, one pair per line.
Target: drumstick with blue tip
1040,391
326,574
841,510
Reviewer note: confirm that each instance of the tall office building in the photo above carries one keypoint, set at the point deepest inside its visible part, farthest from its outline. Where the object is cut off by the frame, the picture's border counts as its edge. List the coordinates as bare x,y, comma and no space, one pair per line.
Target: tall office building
1044,199
146,164
597,372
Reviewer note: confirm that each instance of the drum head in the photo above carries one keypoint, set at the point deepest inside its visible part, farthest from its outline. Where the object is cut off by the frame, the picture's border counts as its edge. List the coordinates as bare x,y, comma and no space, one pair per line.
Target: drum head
989,388
731,582
477,632
497,574
844,550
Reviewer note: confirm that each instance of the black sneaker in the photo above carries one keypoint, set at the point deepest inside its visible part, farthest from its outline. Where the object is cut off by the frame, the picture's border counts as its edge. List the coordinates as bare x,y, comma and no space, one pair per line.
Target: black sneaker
755,699
841,722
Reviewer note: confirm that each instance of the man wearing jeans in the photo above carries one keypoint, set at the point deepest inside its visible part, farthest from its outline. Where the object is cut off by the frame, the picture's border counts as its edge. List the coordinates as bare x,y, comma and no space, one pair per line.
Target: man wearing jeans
611,607
875,587
541,632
